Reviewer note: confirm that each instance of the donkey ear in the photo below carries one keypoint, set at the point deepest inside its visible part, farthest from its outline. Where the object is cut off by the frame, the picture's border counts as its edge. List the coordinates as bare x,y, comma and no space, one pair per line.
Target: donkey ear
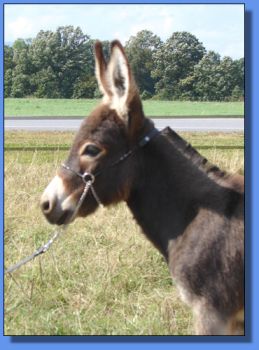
101,71
120,79
125,97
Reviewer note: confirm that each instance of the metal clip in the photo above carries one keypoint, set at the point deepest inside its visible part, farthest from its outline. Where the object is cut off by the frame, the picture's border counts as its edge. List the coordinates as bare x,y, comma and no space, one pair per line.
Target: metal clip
88,177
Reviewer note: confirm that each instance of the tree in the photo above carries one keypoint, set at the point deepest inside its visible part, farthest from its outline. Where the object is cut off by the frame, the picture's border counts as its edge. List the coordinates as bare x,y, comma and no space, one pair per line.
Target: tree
86,85
239,75
60,64
237,94
8,70
61,56
8,57
22,69
175,61
226,81
45,84
238,91
8,82
215,79
140,50
205,77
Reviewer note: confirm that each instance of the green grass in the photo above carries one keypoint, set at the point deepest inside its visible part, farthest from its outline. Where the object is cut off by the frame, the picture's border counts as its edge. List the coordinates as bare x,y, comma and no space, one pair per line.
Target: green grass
60,108
103,277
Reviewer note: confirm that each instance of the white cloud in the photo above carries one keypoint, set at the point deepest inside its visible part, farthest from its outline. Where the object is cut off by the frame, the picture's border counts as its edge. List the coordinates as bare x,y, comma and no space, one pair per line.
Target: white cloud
19,28
219,27
168,24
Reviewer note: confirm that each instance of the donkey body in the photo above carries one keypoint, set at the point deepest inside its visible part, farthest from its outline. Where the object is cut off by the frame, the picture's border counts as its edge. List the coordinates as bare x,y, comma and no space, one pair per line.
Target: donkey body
188,208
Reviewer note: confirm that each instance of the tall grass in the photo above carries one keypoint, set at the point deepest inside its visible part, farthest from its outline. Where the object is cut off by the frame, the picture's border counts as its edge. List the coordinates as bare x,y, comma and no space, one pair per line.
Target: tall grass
103,277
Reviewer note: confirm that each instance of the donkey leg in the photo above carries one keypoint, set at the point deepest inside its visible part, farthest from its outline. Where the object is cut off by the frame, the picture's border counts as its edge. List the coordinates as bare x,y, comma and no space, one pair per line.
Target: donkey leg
208,321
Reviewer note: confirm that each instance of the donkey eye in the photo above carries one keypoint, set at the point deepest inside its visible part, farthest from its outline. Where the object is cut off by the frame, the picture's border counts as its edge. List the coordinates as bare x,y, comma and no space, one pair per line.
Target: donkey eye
91,150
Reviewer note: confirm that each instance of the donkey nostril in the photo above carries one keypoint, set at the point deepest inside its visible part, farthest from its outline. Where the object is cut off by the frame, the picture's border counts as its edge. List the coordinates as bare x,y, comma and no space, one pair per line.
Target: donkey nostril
45,206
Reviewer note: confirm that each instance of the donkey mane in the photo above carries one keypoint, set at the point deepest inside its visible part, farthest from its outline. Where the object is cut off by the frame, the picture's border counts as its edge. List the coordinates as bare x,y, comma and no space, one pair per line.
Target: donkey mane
221,177
192,154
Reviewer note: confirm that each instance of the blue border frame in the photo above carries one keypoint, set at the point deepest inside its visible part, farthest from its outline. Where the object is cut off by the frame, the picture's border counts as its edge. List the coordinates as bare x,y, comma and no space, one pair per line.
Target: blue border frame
251,340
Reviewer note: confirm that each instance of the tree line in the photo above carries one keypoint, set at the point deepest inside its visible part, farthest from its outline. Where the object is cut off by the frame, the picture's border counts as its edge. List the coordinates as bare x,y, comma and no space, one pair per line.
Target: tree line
60,64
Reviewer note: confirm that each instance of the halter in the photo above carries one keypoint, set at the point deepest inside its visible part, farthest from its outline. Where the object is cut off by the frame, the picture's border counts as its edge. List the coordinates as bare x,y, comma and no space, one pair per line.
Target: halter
89,178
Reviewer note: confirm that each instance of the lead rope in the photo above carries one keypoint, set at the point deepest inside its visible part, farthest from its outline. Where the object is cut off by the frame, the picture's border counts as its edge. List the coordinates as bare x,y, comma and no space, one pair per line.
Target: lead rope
57,233
88,179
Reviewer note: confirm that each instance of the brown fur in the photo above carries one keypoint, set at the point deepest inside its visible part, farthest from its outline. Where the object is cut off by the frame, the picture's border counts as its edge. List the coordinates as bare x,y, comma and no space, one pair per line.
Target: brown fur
188,208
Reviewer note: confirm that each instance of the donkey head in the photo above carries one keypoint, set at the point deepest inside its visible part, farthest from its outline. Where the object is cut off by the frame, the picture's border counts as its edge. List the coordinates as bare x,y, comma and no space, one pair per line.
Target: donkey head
109,132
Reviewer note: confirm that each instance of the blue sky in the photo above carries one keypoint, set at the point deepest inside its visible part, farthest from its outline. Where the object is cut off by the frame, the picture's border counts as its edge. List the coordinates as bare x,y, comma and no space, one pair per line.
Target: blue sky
218,27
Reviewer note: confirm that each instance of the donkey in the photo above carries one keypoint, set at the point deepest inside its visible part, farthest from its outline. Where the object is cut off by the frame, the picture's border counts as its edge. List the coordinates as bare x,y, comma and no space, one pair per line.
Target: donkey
190,210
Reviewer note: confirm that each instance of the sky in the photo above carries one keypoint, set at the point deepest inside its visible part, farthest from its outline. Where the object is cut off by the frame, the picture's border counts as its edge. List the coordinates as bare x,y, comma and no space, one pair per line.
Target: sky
219,27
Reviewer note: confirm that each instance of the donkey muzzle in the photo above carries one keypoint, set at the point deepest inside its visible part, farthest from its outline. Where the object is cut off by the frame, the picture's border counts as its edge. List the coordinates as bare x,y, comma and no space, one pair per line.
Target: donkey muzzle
55,204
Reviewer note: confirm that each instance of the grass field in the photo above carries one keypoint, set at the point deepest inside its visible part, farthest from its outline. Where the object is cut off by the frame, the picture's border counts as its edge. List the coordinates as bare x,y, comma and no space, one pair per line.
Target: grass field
59,107
103,277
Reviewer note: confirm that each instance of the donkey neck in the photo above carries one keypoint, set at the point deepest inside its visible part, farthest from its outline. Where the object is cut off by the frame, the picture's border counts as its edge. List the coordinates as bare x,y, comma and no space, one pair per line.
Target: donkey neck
168,191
